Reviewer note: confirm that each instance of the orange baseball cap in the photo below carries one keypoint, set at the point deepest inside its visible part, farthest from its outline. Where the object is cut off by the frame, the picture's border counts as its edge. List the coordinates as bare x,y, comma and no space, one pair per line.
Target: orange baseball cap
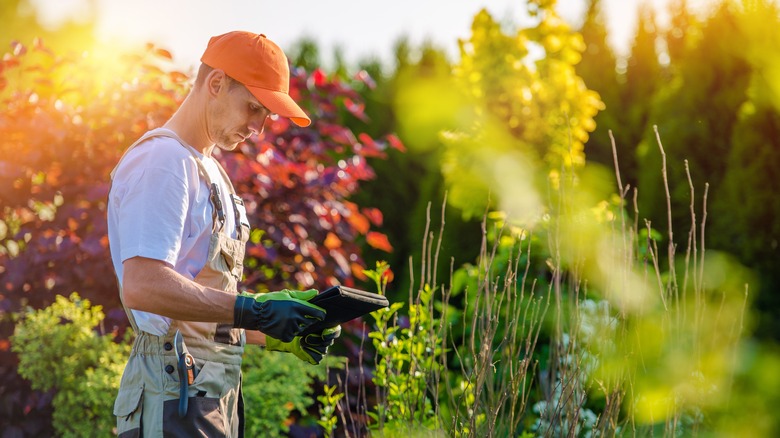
261,66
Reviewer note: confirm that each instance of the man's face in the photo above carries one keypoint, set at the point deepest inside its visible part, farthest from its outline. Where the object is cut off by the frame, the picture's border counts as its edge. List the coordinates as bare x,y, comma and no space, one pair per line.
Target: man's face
236,114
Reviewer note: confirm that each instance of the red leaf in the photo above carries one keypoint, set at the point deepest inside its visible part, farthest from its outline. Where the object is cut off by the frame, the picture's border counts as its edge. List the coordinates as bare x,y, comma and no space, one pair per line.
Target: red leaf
379,241
395,143
367,140
374,215
370,147
357,272
388,275
332,241
319,77
356,109
177,76
339,134
358,221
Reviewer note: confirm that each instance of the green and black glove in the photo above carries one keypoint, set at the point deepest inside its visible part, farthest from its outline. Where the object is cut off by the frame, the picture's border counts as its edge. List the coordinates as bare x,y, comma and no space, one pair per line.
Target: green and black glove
309,348
281,315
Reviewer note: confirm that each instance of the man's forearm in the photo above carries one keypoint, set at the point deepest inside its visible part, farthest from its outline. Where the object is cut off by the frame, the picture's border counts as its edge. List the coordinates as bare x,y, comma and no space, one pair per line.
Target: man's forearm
152,286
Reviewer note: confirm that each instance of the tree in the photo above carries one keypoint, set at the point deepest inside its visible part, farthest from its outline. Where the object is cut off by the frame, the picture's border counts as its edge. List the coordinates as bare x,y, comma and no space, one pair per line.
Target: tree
64,124
598,69
695,111
305,54
642,78
682,31
407,183
519,112
297,183
747,207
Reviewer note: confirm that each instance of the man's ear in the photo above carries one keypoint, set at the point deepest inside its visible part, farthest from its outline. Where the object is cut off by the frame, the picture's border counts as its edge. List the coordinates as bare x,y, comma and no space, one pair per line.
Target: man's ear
215,81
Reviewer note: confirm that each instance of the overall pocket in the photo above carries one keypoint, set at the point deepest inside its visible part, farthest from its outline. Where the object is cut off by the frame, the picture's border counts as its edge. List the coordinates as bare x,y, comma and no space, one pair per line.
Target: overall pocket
205,416
128,412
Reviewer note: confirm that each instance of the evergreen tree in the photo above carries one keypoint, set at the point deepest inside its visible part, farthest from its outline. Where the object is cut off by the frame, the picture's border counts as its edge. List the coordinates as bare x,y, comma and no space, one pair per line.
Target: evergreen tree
598,69
695,113
746,208
682,31
641,80
408,182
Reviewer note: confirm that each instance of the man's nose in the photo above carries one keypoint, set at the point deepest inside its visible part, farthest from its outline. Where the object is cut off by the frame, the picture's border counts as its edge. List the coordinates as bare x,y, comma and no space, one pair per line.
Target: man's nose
257,123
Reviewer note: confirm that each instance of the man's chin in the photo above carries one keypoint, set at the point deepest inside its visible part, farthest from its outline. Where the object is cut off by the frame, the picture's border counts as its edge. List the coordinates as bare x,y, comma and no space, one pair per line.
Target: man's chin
227,146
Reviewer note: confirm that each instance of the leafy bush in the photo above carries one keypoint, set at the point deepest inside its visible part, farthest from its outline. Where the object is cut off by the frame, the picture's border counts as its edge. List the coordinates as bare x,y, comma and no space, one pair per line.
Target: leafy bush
296,183
406,359
60,350
275,385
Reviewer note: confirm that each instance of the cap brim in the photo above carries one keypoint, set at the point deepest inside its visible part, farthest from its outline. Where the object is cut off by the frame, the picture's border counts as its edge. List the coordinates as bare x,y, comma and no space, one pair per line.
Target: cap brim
281,104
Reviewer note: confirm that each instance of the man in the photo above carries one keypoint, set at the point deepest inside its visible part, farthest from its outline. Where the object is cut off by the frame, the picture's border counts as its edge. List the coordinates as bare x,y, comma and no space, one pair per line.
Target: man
177,233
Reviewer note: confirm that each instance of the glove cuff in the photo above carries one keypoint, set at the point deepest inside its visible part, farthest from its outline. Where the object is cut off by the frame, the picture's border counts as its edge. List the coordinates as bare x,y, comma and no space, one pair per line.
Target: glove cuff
242,309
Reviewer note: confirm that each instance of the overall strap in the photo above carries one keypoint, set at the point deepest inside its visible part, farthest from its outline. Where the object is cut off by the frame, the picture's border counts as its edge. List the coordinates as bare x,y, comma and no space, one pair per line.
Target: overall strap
164,132
235,199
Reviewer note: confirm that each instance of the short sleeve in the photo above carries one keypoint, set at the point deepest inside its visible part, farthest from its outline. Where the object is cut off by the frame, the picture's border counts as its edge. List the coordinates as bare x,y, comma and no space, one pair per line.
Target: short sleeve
152,216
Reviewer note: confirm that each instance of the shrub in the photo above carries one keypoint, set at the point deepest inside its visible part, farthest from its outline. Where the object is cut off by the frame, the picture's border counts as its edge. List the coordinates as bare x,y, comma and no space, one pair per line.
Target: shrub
277,386
63,348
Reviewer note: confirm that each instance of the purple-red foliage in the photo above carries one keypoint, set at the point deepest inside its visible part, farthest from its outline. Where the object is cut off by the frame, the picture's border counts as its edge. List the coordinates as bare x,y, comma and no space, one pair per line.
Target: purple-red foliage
63,124
296,183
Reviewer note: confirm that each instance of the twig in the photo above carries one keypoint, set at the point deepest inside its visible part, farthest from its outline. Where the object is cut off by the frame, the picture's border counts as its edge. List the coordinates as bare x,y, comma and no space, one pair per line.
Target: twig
670,248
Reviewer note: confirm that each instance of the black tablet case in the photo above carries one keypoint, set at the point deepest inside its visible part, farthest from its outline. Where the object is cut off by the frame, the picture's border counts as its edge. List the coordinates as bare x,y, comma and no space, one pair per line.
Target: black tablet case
343,304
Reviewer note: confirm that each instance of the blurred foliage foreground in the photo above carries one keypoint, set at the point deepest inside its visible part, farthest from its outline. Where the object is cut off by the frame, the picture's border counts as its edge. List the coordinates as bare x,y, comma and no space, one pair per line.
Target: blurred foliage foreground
572,320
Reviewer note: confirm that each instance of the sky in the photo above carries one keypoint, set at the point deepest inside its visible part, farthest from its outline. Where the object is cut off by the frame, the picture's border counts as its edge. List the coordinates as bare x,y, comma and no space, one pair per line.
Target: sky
361,28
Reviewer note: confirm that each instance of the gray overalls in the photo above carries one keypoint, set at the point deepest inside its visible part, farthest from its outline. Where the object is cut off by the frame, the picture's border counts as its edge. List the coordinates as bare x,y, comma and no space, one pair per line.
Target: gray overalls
148,400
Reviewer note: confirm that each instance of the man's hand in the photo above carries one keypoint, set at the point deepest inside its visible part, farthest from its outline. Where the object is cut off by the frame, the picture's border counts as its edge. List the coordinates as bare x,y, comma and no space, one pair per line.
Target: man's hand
310,348
281,315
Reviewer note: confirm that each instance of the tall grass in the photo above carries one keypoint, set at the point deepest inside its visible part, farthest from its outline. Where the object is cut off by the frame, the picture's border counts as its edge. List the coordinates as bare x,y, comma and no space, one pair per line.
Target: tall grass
580,327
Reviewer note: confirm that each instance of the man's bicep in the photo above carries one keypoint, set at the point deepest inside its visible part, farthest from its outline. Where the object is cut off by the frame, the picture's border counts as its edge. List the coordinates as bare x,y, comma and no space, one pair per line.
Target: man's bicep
139,272
152,216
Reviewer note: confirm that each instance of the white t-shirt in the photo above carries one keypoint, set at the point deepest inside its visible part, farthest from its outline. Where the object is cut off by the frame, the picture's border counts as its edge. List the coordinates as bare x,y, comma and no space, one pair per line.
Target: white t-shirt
159,208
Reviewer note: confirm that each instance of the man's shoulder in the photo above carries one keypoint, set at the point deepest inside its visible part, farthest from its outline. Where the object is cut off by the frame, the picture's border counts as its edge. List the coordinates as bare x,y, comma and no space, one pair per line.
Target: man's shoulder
162,146
158,152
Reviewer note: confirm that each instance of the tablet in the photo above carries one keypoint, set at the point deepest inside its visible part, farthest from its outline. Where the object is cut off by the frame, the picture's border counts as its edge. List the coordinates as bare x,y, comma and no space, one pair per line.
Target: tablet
343,304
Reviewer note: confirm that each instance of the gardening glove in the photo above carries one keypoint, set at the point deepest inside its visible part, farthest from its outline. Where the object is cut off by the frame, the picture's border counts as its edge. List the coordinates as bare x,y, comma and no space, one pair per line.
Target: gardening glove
281,315
309,348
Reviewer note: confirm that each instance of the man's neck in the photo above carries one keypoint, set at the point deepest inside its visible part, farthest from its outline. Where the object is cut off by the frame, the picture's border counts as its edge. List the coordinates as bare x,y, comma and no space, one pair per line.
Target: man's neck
189,123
